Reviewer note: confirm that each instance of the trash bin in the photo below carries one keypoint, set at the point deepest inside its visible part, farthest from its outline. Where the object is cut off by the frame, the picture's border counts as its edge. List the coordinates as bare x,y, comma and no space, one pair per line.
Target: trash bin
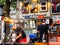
32,38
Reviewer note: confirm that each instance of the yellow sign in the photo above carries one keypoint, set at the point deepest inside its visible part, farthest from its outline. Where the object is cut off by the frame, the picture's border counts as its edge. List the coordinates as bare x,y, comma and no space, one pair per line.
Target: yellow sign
7,20
34,0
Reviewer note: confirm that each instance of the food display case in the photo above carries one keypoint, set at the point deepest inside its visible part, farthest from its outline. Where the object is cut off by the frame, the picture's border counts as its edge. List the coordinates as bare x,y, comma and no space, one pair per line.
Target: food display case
29,26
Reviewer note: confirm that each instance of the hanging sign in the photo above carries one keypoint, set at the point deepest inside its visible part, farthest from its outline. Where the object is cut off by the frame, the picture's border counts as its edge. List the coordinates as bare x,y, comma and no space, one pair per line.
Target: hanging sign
40,17
27,17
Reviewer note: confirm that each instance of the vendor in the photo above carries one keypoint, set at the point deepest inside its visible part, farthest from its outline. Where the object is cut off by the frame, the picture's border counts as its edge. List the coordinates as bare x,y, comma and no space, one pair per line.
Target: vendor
20,34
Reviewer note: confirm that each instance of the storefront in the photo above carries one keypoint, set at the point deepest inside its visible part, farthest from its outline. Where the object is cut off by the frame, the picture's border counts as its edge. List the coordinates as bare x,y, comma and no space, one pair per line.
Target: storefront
32,12
31,21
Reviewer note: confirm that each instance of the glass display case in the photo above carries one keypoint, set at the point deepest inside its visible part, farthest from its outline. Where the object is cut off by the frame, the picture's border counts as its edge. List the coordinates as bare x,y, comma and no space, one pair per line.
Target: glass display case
30,25
27,24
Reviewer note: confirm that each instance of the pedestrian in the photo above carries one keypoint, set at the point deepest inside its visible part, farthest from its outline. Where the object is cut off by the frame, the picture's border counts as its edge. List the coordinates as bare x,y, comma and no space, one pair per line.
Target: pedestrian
42,29
51,28
20,34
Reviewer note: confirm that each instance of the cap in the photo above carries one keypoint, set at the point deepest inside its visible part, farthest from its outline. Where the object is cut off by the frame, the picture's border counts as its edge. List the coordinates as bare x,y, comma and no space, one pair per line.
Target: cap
11,25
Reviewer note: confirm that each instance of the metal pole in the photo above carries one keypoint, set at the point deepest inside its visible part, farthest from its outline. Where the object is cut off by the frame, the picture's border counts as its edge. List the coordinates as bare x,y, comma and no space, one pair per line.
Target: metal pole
17,15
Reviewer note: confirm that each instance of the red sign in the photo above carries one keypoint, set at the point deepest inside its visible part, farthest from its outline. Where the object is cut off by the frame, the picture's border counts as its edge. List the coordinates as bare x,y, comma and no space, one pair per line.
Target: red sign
55,43
58,22
40,17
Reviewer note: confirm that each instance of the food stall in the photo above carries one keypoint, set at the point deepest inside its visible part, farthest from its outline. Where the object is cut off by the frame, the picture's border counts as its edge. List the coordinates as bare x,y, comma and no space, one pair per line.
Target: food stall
55,40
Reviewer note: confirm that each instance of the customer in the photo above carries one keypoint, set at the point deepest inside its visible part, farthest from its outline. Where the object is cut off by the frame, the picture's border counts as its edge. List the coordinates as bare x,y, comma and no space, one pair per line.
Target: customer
20,34
42,29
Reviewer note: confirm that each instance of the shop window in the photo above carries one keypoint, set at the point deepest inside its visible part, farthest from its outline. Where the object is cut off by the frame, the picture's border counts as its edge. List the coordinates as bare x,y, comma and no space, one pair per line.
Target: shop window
30,6
25,8
43,6
55,7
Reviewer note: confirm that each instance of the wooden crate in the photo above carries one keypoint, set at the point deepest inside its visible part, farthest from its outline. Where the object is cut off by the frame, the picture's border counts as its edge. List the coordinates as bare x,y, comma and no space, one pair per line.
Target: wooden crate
58,30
